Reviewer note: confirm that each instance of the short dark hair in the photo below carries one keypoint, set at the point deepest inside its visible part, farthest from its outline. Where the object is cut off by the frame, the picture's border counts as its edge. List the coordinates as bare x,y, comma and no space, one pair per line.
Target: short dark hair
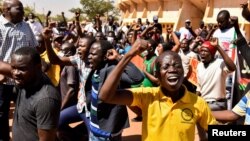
167,46
153,43
161,56
105,46
31,52
224,13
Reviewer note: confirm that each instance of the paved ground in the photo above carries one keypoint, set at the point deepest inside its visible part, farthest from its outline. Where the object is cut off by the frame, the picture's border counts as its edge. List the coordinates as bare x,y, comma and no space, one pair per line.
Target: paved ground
134,132
130,134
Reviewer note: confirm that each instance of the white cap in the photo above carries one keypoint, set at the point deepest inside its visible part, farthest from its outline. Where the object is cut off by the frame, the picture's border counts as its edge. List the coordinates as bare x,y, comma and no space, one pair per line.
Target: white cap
187,21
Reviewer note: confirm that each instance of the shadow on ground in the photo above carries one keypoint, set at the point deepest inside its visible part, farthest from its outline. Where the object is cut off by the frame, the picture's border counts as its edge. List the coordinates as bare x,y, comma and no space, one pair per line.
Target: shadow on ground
131,138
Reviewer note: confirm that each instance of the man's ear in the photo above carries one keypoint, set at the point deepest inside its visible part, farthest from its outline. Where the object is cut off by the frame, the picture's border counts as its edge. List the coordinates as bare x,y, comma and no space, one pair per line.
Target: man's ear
105,57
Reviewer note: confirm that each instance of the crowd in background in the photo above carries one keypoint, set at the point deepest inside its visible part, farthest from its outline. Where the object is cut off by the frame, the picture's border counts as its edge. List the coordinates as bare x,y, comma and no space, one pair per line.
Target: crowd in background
76,59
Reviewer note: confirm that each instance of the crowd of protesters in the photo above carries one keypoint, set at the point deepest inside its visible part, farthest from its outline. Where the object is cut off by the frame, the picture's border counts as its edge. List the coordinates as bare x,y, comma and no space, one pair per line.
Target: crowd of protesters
59,73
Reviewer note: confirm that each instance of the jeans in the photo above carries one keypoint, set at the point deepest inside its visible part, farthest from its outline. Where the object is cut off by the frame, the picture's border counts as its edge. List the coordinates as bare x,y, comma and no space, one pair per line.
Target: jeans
6,95
92,137
70,115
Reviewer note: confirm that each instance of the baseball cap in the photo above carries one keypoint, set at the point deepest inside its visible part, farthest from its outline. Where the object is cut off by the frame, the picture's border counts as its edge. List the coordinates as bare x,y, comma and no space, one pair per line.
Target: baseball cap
155,18
187,21
58,37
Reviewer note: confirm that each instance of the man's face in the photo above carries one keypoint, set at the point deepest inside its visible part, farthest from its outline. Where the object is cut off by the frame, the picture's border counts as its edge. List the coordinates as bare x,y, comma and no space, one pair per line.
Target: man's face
23,70
99,36
82,48
31,18
187,24
95,56
184,45
222,21
111,20
16,12
171,72
205,55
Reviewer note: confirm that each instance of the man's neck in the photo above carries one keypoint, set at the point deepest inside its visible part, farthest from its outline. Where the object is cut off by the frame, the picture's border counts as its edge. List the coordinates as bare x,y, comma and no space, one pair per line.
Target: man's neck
174,95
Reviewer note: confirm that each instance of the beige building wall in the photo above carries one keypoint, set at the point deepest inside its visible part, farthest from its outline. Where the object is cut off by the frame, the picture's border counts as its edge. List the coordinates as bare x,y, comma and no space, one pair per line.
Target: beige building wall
175,12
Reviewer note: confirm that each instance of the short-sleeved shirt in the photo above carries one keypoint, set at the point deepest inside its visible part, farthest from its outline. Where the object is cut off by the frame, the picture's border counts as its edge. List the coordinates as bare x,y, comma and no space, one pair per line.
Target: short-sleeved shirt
37,108
69,78
54,70
212,80
36,27
163,119
13,37
225,41
84,71
242,108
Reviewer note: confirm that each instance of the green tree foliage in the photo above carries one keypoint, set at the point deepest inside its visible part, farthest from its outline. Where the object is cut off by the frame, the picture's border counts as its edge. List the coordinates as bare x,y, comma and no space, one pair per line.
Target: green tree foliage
93,7
28,10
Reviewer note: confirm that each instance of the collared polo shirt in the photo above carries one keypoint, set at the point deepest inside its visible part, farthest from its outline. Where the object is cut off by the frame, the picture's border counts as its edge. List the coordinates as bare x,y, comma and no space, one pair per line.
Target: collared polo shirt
164,120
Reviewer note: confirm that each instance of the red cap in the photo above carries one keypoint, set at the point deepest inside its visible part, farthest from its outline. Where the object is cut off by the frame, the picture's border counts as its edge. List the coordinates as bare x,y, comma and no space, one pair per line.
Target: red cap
211,48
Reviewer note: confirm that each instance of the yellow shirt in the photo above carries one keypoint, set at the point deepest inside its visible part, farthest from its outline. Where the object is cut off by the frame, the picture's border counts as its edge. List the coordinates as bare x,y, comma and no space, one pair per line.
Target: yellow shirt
164,120
54,70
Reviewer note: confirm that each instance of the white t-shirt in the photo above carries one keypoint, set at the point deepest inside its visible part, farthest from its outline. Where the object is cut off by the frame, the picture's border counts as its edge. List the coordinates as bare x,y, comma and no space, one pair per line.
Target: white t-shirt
185,33
90,28
212,80
36,27
225,41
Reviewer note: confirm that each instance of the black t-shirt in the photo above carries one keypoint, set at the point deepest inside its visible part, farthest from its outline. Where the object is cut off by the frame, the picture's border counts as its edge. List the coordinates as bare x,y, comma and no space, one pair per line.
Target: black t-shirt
159,26
36,108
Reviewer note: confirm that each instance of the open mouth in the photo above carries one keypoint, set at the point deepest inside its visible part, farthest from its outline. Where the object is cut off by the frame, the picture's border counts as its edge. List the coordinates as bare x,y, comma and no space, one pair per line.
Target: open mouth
173,80
18,81
91,64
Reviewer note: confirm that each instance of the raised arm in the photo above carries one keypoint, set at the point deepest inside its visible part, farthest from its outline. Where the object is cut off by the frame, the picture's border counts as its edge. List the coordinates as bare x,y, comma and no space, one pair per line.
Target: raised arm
176,47
245,11
228,61
148,29
241,41
64,20
53,58
109,92
78,26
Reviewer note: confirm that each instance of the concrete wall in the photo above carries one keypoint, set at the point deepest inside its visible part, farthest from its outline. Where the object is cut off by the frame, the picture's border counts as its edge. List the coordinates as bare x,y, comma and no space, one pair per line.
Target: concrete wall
175,12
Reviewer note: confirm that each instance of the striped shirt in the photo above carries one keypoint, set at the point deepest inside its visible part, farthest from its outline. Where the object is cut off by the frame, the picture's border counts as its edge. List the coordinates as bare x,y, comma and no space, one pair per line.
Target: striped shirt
13,37
94,125
242,108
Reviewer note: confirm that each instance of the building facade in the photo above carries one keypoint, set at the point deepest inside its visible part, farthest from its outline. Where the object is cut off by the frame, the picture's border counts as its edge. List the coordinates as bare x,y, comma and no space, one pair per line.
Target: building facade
175,12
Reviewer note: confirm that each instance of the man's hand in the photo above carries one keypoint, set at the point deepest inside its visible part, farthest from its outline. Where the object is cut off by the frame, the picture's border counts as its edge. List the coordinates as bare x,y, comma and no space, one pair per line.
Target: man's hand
244,5
139,46
97,17
137,27
47,33
112,54
214,42
77,16
234,22
198,39
151,26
